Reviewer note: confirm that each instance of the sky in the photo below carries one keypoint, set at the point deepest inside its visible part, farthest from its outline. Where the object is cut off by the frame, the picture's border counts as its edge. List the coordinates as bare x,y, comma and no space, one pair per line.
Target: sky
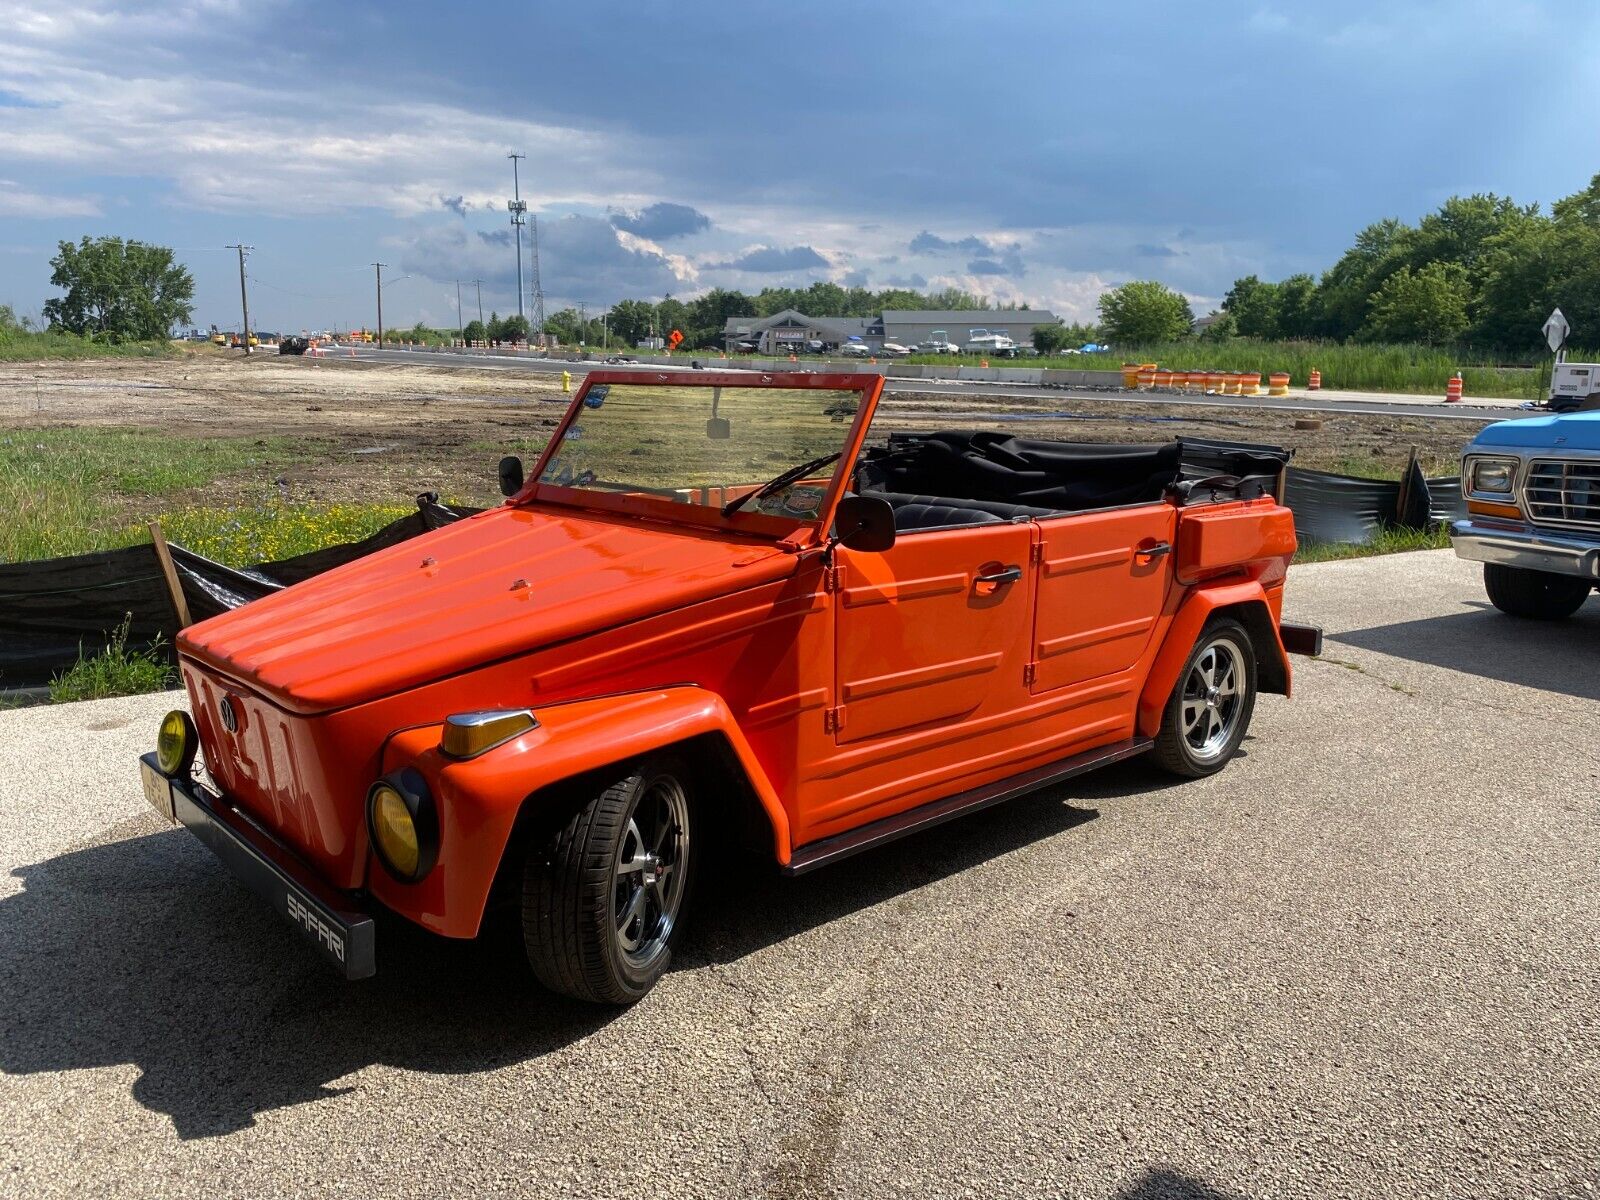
1027,151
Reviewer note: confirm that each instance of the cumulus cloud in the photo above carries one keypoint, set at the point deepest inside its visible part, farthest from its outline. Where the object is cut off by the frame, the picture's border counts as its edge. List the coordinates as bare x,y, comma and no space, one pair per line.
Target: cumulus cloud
1151,250
456,204
661,221
580,259
984,256
773,260
986,266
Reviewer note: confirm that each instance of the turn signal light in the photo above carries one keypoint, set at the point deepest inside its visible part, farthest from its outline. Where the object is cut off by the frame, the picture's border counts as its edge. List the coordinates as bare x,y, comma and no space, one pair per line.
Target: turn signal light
467,735
176,744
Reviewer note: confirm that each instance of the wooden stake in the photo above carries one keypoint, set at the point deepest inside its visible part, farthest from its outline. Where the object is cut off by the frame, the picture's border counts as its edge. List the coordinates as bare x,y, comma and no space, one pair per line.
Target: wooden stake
164,554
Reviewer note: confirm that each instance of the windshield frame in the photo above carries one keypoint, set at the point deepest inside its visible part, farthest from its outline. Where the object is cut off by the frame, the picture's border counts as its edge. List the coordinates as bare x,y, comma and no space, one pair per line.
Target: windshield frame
868,385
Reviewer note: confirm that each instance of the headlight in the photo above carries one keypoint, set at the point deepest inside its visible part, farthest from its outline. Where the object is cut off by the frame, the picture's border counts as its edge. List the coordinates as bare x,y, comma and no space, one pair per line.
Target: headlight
404,825
176,744
467,735
1493,476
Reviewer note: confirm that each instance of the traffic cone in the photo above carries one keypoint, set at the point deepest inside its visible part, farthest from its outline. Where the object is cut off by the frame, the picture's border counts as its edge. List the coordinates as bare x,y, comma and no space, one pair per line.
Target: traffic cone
1452,390
1314,381
983,362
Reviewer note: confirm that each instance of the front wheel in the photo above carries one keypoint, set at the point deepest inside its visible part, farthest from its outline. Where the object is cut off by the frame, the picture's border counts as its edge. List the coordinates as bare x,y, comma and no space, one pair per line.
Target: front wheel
1209,710
601,900
1539,595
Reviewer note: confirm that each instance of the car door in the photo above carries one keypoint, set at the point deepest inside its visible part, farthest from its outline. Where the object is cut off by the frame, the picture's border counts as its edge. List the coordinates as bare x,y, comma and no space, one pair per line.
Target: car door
931,632
1101,581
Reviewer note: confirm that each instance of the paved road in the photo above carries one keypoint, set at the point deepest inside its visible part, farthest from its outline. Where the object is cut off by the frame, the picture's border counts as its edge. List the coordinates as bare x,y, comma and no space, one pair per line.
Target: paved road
1326,402
1361,962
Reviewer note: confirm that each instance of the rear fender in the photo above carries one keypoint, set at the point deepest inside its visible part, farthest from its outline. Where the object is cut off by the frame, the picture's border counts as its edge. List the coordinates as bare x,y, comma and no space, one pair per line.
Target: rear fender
1244,600
479,800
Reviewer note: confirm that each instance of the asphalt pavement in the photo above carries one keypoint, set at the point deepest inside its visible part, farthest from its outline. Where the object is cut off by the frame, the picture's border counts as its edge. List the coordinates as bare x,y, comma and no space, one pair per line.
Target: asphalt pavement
1479,410
1364,961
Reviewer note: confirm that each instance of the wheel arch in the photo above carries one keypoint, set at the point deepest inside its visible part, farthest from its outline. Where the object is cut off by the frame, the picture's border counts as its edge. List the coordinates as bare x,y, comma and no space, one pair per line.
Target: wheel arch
1247,603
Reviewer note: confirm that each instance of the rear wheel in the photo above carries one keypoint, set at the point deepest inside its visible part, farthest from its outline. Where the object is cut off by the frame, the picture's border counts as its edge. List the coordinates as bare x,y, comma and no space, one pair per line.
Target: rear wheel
1209,711
601,900
1539,595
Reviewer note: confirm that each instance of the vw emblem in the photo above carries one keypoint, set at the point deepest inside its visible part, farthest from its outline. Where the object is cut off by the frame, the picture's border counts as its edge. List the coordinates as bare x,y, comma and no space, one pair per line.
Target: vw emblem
230,719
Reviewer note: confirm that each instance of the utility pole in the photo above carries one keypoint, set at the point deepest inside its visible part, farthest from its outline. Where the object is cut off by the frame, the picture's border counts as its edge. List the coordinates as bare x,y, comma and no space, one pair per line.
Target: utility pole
583,322
244,298
538,289
461,329
519,211
379,267
478,283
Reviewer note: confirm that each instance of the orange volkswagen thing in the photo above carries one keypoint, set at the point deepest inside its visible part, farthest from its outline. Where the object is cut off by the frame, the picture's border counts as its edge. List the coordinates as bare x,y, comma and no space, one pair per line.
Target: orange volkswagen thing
716,605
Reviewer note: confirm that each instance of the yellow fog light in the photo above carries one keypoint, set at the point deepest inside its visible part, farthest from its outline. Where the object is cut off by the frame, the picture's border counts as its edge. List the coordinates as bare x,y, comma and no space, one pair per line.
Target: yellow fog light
404,825
176,744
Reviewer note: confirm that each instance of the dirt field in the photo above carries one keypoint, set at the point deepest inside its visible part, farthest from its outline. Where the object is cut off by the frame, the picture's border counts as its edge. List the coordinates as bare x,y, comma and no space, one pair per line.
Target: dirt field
372,432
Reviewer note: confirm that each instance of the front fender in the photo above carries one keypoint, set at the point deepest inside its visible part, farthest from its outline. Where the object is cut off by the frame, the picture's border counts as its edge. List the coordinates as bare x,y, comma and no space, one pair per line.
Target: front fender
1259,611
479,800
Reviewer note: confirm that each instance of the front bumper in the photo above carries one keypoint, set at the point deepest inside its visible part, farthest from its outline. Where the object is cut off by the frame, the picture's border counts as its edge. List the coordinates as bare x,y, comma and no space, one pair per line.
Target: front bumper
1527,548
326,917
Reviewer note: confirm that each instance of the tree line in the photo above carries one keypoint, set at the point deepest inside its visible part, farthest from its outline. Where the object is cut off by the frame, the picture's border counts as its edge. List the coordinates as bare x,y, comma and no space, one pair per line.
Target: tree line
1480,271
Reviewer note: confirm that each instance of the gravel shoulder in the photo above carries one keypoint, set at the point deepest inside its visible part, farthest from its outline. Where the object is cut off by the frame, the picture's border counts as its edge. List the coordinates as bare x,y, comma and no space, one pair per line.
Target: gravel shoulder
1360,962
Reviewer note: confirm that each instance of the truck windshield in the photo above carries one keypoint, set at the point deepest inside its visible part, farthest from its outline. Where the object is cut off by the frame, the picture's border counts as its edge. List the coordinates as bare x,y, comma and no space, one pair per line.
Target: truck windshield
698,444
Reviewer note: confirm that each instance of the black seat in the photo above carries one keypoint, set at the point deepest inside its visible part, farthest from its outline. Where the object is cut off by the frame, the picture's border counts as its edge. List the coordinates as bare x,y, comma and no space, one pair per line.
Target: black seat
936,515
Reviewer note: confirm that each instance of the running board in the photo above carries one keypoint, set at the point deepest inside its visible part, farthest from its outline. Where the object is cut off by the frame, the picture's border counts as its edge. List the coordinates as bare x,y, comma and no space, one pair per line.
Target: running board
936,812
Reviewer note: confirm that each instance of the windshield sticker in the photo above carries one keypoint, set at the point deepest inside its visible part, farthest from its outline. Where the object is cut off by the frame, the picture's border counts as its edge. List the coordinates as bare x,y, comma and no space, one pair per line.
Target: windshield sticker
596,396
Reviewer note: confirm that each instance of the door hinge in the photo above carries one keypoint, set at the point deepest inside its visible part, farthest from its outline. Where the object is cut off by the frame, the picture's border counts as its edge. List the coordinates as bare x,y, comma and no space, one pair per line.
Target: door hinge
830,578
833,719
1036,553
1029,672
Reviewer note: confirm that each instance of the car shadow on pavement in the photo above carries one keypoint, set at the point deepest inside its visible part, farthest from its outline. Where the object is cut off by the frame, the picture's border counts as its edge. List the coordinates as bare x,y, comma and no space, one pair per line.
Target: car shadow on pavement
1164,1183
1556,656
142,950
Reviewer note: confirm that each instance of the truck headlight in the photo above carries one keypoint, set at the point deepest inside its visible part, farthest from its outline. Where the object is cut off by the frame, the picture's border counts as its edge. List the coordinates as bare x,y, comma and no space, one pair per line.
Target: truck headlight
176,744
404,824
1492,476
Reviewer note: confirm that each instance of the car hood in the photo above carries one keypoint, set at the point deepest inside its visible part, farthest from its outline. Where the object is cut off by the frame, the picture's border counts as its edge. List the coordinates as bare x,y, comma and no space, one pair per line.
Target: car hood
498,584
1573,431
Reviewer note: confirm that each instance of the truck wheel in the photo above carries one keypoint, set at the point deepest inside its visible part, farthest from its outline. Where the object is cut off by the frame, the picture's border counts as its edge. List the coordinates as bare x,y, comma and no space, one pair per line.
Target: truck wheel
601,900
1541,595
1209,710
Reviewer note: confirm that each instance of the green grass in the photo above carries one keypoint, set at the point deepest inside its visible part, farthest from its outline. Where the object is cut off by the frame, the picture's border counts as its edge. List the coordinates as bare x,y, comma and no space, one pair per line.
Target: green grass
18,345
78,490
240,537
1387,541
117,670
1420,370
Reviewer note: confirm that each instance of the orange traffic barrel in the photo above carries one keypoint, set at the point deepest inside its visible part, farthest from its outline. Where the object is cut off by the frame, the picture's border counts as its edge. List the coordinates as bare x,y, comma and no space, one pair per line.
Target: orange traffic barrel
1197,381
1452,390
1314,380
1130,375
1161,379
1233,383
1180,380
1252,384
1214,382
1147,377
1278,383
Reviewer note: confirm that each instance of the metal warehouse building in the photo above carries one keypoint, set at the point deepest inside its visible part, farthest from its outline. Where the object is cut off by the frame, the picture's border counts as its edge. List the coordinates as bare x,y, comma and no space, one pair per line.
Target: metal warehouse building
791,330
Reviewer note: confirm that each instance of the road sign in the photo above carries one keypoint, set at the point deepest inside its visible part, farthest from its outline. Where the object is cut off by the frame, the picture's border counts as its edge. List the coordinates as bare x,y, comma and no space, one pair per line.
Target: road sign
675,337
1556,330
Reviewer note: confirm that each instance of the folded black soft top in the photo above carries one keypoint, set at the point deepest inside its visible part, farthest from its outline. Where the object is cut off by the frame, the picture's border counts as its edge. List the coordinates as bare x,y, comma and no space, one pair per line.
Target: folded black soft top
1059,476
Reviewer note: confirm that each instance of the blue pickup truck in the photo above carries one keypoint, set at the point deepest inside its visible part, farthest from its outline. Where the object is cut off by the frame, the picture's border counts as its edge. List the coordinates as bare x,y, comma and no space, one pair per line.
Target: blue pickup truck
1532,489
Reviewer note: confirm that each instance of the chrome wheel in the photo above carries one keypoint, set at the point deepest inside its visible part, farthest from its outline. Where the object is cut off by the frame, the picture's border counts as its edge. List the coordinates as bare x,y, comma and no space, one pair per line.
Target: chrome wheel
1213,698
651,867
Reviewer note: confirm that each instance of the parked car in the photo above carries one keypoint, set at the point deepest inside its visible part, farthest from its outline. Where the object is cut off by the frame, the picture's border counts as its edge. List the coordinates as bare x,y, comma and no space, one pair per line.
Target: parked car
855,350
554,706
1532,489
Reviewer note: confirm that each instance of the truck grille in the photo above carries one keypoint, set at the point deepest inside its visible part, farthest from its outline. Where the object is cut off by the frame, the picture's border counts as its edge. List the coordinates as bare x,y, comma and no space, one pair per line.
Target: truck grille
1564,492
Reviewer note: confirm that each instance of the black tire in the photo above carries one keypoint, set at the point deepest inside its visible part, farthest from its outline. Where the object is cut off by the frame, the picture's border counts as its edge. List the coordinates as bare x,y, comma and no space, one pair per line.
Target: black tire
573,885
1537,595
1176,749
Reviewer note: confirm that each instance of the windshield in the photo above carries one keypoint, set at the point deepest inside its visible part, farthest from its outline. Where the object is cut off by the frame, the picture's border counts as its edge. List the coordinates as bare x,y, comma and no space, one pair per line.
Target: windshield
705,445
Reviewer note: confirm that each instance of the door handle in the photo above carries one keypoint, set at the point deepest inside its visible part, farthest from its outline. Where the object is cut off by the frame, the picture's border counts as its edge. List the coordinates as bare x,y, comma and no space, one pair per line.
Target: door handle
1155,551
1010,575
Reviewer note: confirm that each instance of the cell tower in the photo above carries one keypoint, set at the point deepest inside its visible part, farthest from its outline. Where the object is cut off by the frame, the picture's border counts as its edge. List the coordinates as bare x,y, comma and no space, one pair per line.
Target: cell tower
538,290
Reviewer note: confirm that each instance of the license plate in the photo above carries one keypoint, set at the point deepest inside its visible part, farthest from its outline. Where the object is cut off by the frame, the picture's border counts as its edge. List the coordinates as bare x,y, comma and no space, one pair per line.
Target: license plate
157,790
